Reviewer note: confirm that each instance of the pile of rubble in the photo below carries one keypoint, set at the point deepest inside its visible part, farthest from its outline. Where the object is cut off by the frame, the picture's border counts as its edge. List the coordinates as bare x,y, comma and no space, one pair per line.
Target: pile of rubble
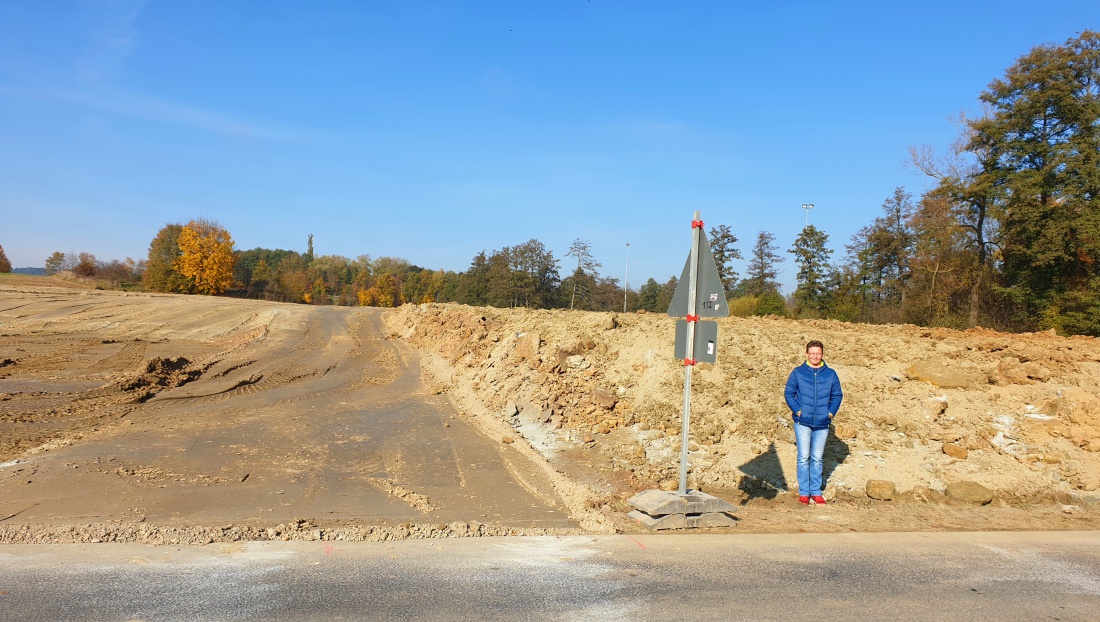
927,413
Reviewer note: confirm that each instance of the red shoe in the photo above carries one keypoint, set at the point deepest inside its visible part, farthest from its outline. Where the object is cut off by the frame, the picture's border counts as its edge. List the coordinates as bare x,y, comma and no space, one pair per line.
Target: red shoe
804,499
818,500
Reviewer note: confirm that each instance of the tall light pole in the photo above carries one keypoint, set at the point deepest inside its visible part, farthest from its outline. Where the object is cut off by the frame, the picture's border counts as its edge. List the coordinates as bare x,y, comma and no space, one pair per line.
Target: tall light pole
626,277
807,207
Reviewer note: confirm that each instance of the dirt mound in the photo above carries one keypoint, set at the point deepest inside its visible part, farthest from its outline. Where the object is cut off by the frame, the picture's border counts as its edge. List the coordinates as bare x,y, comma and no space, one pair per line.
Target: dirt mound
157,375
176,419
600,395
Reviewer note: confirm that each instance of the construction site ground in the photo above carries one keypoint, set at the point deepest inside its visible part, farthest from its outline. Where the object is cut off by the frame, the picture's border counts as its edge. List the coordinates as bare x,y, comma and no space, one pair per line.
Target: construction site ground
188,419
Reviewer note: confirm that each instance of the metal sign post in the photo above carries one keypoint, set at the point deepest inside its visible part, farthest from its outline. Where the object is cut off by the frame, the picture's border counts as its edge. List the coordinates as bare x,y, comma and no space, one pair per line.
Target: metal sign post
700,293
689,360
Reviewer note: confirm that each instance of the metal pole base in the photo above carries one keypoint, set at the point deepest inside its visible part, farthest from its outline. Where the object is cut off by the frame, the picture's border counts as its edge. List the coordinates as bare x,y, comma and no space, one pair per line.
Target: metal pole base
668,509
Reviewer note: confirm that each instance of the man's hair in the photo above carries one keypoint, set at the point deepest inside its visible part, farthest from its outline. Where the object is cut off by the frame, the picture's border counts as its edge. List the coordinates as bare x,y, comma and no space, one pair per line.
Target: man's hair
815,344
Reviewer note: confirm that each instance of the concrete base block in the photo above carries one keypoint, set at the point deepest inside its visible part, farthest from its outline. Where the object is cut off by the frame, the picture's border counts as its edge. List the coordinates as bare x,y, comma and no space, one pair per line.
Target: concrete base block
664,509
658,502
683,521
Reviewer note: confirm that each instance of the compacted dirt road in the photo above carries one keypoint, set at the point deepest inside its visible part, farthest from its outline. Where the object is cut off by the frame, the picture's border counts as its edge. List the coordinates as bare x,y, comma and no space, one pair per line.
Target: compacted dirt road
123,415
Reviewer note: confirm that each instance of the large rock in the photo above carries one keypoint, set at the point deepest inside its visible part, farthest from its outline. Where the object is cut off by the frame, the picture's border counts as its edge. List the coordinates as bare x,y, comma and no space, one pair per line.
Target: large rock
881,489
934,406
1082,410
527,346
969,492
1010,370
846,430
1075,405
604,397
942,374
562,359
955,451
576,361
529,412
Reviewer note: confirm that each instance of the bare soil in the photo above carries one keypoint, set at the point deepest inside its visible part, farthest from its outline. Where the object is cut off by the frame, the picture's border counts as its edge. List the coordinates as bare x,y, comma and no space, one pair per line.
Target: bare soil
156,418
176,419
600,396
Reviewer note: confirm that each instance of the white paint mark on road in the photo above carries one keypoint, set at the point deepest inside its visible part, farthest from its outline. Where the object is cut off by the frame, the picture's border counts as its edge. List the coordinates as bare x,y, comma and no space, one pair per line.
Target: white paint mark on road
1064,576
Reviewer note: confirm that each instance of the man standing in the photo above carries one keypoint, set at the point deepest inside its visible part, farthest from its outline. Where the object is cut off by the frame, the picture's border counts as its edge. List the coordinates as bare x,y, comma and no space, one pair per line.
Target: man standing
813,395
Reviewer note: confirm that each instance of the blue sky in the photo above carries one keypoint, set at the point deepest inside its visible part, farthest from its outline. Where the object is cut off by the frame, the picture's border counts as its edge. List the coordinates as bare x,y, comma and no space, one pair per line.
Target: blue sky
433,130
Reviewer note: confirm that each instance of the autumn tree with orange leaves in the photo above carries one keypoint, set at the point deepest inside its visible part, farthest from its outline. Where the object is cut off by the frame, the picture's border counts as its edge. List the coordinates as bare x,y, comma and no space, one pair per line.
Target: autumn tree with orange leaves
206,256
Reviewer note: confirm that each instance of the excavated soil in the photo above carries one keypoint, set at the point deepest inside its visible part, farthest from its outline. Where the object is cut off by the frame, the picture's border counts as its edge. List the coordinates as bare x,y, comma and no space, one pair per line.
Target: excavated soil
175,419
939,429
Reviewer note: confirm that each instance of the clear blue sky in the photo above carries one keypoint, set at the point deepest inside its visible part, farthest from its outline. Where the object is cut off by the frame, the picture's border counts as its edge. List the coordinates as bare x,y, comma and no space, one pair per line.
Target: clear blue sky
435,129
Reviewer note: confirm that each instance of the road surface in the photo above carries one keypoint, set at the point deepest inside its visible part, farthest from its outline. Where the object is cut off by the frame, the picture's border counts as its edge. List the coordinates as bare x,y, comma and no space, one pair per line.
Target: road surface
884,576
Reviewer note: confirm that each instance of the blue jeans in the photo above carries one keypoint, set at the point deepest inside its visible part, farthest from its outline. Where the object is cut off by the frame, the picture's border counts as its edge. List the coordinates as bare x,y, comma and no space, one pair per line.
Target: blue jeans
811,449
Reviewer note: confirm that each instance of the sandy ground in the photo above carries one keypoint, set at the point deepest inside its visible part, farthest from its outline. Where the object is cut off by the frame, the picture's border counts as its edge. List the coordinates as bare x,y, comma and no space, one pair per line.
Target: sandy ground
155,418
175,419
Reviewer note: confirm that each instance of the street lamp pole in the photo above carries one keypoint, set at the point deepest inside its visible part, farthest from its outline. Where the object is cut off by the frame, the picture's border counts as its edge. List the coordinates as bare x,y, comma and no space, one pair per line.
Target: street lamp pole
807,207
626,277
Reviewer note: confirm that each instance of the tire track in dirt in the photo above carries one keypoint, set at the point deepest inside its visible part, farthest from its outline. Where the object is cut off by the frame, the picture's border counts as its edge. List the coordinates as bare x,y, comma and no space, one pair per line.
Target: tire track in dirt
129,356
244,411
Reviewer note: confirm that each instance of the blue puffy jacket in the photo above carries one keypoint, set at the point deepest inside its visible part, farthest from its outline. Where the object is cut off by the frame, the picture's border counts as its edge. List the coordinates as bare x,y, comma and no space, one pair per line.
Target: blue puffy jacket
813,393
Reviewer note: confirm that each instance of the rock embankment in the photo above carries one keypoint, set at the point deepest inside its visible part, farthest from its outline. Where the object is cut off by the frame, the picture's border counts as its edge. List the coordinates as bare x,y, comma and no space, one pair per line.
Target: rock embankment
925,409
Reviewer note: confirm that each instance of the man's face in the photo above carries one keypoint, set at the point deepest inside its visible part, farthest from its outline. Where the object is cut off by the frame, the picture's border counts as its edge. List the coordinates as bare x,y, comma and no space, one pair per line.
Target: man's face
813,355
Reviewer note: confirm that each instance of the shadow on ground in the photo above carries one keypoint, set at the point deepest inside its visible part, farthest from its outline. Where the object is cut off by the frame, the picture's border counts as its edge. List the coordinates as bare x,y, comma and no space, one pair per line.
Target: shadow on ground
764,477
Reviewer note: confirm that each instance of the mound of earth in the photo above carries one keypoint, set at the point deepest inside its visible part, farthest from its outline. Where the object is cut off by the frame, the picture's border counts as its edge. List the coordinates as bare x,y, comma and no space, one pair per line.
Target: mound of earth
192,419
601,396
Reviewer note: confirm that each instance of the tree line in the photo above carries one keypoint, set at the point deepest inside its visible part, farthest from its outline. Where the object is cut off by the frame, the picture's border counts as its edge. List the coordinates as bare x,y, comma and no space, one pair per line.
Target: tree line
1008,237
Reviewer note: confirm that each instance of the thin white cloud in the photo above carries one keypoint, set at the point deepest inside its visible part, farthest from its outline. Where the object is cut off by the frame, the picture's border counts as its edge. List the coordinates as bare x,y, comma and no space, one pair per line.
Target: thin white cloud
144,107
112,38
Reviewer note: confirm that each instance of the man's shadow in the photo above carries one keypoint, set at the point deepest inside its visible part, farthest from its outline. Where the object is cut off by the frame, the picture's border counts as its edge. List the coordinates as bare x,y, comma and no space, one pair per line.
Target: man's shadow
764,474
836,452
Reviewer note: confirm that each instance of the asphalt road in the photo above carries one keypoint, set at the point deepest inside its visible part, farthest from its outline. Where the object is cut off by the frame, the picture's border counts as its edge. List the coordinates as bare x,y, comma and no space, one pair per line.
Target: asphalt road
885,576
